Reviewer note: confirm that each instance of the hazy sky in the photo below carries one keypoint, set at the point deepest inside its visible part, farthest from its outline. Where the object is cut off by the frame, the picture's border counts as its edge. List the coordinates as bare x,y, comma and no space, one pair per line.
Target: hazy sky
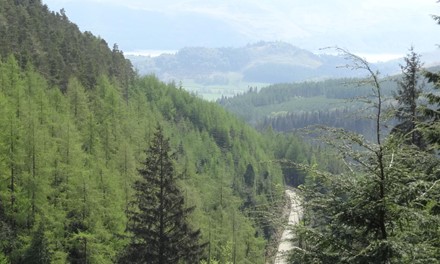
362,26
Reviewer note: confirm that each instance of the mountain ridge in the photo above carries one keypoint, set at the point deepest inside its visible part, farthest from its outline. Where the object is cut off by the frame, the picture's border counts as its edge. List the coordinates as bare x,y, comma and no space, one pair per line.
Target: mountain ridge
263,62
213,73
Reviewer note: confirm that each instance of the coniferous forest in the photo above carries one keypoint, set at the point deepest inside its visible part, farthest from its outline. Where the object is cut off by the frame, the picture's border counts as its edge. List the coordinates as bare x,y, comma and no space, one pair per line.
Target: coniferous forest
76,123
101,165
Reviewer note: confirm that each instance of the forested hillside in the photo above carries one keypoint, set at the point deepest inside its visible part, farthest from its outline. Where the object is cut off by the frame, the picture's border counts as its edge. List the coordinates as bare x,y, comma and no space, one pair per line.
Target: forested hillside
75,123
100,165
56,47
291,106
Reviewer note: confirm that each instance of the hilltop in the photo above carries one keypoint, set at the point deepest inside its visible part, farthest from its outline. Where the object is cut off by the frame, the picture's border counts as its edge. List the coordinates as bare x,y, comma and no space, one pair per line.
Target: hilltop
216,72
263,62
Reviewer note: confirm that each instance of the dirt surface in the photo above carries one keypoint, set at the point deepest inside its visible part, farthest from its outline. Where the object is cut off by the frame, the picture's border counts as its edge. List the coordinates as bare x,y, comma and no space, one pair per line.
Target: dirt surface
294,217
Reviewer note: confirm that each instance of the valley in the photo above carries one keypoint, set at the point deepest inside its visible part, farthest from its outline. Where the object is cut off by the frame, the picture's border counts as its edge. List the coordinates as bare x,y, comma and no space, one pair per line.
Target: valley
261,153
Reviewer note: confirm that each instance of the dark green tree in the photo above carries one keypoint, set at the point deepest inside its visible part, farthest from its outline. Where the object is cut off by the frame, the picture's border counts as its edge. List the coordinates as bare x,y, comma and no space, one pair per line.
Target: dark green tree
38,251
431,125
408,92
434,98
249,176
157,216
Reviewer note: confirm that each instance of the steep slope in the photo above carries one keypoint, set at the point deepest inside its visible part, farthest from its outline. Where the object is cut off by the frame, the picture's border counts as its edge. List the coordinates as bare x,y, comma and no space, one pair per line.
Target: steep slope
56,47
73,133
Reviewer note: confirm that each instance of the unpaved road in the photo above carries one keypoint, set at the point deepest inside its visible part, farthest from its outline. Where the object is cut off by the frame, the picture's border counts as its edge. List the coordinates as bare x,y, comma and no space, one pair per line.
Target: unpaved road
294,217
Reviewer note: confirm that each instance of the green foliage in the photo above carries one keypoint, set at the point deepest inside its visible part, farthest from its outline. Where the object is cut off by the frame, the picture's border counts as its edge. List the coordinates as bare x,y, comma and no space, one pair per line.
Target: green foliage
292,149
69,161
292,106
407,96
343,212
432,111
56,46
74,123
157,217
38,251
378,211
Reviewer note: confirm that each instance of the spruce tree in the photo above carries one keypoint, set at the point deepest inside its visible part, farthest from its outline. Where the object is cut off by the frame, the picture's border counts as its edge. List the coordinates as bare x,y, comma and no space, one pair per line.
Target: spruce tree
431,124
157,216
407,95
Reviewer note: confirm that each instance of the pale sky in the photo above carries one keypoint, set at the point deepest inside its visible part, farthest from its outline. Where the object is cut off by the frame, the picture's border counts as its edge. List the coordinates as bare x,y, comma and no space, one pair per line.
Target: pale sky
370,27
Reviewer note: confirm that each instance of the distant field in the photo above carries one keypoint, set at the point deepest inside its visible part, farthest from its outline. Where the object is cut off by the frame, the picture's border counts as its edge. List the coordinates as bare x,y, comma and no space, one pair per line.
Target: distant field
213,92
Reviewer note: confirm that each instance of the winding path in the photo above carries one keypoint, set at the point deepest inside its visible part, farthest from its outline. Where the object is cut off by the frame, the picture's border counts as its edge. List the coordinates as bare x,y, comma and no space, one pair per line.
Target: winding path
294,217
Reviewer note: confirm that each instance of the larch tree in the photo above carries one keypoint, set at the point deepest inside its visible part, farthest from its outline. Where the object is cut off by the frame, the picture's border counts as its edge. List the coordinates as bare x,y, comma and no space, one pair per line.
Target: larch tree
157,216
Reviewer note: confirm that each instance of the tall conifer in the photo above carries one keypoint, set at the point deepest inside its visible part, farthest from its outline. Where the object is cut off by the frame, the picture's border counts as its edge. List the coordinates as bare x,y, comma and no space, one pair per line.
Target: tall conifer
407,96
157,216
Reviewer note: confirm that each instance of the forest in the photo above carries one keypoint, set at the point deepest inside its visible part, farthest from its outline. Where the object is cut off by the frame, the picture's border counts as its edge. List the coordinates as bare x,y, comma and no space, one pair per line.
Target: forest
379,203
292,106
75,130
101,165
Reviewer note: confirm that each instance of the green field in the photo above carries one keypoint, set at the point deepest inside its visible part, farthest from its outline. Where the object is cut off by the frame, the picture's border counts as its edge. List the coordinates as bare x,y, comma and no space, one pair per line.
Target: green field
213,92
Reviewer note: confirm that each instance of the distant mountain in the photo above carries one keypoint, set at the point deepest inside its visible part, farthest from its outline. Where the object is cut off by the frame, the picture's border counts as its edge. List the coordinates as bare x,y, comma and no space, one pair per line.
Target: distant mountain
216,72
262,62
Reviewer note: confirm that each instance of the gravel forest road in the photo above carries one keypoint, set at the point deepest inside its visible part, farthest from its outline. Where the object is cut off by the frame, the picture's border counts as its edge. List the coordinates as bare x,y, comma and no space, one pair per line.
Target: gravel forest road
294,217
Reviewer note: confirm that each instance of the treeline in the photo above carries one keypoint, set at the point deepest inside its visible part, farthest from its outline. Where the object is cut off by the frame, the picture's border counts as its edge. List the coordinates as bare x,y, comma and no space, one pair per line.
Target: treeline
280,93
351,119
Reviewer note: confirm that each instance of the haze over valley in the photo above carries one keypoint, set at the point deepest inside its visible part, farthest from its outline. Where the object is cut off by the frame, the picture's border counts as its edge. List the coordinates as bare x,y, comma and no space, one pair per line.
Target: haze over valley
216,72
203,36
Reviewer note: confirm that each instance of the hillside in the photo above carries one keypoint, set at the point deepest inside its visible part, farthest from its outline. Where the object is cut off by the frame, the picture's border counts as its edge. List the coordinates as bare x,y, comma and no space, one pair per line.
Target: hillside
262,62
287,107
73,131
291,106
213,72
56,47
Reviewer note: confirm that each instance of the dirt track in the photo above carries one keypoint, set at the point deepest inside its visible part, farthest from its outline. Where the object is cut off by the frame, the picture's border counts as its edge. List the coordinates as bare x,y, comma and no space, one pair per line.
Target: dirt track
294,217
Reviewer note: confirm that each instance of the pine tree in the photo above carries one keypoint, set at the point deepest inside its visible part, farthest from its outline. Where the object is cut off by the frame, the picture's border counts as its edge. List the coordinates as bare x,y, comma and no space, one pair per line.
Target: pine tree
157,216
407,95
